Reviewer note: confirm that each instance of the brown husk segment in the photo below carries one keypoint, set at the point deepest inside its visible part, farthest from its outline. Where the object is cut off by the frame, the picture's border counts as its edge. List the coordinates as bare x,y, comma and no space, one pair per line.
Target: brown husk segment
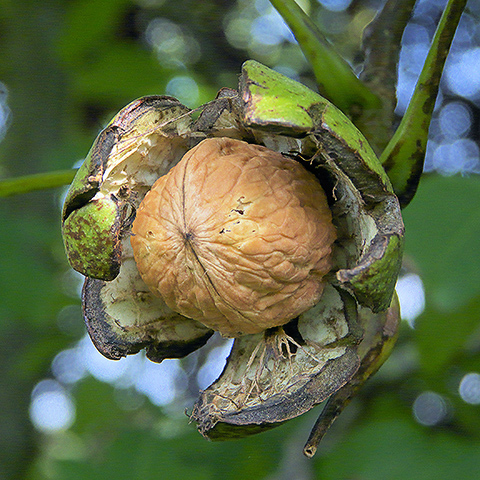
141,144
278,408
280,374
122,317
236,236
371,235
381,332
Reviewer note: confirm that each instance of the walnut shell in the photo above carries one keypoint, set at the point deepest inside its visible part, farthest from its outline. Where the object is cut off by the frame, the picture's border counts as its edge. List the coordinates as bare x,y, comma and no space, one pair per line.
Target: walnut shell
235,236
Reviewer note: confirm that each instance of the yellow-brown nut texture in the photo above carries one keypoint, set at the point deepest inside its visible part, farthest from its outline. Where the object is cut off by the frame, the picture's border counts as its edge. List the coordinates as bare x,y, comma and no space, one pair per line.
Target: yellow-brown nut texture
235,236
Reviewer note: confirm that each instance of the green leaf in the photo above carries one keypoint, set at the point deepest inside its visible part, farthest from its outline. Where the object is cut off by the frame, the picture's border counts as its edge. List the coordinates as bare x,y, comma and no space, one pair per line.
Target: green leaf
441,228
404,155
446,334
87,24
136,453
29,283
398,449
138,71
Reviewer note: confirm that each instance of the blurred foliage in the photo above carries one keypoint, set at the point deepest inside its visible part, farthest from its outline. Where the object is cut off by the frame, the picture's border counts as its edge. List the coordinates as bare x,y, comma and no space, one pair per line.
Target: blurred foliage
67,67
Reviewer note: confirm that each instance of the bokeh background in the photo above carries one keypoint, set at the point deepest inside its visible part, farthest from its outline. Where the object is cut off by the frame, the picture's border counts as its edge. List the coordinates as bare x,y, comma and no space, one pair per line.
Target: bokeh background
66,412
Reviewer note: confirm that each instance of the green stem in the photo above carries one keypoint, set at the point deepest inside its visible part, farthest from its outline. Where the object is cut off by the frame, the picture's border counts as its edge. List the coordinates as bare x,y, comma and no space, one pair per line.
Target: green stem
39,181
334,76
404,156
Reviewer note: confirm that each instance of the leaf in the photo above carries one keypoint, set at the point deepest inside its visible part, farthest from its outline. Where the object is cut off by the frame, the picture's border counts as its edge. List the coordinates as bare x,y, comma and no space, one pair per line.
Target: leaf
442,228
398,449
445,334
120,72
29,287
88,24
387,443
136,453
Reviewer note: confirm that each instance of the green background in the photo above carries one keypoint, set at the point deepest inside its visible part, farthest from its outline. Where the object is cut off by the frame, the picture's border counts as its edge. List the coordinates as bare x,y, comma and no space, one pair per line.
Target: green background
68,67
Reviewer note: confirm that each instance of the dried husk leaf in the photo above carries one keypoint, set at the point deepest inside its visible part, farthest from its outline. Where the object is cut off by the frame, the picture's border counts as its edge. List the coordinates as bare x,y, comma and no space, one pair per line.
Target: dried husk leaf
123,317
275,376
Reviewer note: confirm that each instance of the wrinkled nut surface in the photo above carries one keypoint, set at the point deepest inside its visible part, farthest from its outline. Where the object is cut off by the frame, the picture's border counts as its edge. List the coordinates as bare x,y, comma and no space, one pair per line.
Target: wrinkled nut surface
235,236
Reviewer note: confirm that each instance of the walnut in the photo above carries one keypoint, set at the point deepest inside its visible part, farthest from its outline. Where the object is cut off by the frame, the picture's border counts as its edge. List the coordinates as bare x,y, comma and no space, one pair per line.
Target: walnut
236,236
241,242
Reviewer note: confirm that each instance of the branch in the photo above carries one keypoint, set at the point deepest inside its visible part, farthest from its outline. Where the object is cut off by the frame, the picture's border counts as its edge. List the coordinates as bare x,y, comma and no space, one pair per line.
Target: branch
381,45
39,181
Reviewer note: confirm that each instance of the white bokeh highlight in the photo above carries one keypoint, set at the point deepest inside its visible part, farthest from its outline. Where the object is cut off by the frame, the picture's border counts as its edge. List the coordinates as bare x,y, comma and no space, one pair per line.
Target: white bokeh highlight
411,296
214,364
469,388
51,407
430,409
